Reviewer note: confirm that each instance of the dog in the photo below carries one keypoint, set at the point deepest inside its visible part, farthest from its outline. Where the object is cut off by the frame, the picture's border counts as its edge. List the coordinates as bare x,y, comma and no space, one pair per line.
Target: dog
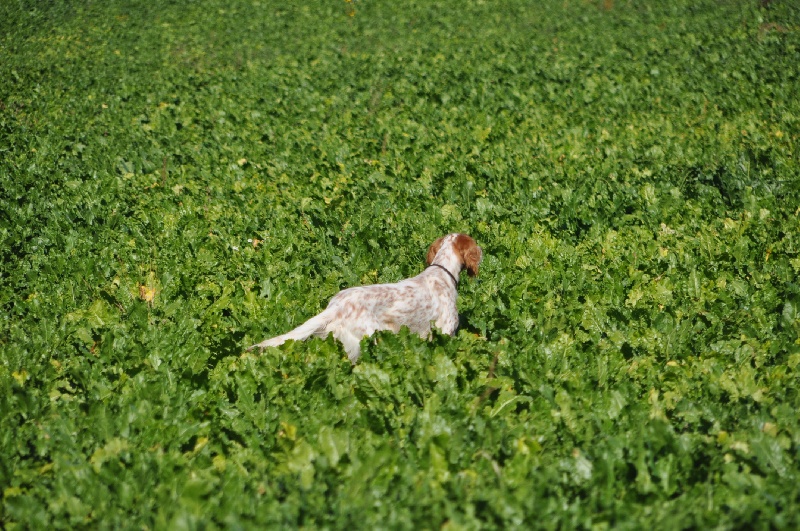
429,297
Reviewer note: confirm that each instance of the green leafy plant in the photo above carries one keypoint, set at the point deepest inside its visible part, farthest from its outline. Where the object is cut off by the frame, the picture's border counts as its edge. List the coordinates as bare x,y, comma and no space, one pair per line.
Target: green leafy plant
180,181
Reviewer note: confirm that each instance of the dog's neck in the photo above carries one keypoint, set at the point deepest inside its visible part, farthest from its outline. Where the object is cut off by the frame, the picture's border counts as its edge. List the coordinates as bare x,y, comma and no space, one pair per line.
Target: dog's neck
448,259
449,274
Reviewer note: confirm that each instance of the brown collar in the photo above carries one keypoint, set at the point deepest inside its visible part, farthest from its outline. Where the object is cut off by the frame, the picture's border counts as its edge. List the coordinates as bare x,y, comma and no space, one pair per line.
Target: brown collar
449,274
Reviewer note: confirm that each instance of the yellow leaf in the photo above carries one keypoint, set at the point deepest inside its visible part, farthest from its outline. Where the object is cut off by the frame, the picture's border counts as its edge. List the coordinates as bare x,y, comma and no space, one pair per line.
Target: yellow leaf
200,444
146,293
770,429
740,446
288,430
20,376
10,492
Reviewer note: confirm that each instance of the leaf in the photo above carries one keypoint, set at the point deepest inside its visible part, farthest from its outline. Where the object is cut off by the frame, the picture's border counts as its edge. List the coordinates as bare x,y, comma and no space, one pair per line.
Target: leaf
20,376
333,444
373,381
507,401
100,314
112,450
445,372
791,312
11,492
147,294
616,404
301,461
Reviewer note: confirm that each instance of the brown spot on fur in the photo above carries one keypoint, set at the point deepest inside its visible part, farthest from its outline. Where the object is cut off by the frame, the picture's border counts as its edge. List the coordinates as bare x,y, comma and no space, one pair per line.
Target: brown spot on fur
470,253
432,250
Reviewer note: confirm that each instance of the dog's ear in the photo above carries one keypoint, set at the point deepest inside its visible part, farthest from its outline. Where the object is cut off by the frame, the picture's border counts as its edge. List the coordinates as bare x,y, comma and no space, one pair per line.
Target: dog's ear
470,253
433,249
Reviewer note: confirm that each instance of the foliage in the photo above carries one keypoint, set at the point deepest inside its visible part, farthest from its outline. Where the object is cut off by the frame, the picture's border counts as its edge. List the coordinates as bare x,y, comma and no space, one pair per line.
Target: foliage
180,181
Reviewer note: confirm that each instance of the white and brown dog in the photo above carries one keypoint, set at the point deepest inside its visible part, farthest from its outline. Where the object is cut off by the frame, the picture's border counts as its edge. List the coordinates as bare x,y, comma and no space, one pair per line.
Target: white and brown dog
429,297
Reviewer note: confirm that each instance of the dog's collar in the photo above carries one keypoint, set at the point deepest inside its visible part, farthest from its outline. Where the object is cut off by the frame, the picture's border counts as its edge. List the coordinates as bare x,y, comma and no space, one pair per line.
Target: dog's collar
449,274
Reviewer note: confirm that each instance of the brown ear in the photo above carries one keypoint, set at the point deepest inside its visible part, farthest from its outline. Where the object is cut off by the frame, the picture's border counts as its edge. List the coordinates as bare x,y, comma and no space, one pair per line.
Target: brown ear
433,249
471,254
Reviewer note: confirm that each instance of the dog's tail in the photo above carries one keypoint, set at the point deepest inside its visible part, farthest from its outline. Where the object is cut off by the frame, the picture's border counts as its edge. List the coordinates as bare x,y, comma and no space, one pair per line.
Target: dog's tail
316,326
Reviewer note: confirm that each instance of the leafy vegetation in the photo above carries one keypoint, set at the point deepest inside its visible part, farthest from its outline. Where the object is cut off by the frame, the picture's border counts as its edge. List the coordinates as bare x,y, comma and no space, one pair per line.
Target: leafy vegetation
180,181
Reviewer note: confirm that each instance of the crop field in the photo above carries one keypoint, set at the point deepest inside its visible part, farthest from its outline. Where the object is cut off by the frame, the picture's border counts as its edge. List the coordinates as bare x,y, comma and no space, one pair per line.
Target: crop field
179,180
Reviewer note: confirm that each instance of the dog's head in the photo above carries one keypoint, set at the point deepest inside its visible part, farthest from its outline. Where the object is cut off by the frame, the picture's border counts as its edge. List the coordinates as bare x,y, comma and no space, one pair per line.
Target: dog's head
463,247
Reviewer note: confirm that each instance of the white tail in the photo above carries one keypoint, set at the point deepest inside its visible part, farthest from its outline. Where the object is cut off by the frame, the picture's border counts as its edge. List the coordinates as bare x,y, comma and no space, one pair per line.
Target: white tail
316,326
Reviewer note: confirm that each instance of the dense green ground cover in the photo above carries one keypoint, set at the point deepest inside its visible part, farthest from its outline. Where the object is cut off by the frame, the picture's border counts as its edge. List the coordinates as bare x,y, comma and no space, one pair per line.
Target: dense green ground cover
180,180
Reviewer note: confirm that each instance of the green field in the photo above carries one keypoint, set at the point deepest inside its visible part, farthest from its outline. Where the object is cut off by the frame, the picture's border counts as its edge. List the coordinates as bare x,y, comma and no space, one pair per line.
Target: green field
179,180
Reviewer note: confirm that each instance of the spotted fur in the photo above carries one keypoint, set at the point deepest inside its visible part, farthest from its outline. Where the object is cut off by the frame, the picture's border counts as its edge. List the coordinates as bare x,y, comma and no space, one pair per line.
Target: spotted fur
429,297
